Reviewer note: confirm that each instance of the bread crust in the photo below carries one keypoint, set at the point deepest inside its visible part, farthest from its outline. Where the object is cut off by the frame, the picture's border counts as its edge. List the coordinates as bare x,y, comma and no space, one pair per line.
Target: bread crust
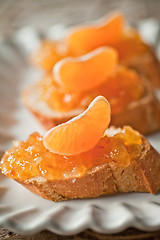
143,114
142,175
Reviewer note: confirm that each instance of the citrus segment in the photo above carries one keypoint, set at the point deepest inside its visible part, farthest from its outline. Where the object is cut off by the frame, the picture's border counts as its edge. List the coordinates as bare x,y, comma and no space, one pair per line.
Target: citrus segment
81,133
85,72
122,87
48,54
87,38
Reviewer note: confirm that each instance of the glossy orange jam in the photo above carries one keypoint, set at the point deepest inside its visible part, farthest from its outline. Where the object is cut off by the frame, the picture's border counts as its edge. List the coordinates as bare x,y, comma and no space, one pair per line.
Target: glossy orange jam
121,88
48,54
29,159
130,45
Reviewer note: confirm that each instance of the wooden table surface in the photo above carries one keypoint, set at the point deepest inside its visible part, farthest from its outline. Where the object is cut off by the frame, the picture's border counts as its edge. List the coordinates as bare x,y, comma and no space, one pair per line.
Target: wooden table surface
149,8
130,234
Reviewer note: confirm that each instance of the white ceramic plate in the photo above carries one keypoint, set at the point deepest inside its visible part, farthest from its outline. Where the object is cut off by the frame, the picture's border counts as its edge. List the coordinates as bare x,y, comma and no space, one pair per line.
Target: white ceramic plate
26,213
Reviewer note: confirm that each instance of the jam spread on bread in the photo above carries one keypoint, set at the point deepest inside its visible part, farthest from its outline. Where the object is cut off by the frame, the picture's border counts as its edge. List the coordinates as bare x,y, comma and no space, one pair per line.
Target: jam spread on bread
130,45
29,159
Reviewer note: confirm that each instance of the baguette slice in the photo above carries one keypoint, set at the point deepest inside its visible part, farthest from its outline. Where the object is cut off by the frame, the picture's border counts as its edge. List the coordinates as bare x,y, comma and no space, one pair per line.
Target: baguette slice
143,115
142,175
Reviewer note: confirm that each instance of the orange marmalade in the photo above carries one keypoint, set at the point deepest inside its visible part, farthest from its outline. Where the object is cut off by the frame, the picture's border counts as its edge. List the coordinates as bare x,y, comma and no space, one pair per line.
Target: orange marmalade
120,88
130,45
29,159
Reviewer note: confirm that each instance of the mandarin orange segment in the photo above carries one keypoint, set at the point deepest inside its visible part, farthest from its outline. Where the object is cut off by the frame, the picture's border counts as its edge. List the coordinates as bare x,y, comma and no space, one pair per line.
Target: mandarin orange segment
121,87
87,38
81,133
85,72
48,54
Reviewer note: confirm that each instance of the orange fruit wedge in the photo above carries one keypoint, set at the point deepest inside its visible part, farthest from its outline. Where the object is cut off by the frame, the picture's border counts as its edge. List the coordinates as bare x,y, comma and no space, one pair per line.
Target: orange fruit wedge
81,133
86,38
85,72
48,54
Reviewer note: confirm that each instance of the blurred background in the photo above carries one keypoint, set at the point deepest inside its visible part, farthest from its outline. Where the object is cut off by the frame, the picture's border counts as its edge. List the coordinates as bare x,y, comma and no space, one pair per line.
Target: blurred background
41,14
29,21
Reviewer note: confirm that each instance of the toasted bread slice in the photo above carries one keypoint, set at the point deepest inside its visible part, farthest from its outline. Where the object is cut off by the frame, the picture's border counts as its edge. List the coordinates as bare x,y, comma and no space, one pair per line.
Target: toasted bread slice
143,115
142,175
